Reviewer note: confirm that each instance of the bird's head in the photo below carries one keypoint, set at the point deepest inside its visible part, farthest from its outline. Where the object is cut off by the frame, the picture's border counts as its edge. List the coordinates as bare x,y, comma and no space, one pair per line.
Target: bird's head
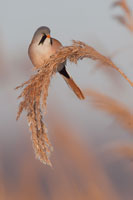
41,35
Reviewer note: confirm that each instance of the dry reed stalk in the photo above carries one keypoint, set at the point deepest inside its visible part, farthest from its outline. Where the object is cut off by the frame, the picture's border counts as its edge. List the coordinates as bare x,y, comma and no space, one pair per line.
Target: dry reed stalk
36,91
126,20
115,108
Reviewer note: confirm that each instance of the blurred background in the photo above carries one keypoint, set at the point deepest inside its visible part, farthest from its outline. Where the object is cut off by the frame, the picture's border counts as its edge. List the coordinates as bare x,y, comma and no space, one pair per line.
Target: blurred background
92,139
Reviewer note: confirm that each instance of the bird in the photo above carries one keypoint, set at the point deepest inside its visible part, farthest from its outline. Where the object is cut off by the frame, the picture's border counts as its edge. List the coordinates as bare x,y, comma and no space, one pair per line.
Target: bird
42,47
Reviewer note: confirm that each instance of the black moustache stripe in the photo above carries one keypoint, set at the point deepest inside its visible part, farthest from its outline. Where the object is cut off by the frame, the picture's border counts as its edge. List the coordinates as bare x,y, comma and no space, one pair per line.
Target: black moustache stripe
51,41
42,39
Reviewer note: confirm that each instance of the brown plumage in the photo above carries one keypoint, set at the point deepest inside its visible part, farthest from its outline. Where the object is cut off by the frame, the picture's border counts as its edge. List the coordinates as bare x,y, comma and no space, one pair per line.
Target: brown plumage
71,83
74,87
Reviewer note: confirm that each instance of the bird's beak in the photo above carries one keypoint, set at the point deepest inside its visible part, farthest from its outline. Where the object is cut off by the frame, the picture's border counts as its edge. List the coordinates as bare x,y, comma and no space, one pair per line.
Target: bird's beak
48,36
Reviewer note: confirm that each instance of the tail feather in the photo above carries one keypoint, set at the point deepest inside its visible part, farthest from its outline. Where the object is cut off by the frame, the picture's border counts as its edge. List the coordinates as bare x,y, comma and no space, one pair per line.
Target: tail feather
71,83
74,87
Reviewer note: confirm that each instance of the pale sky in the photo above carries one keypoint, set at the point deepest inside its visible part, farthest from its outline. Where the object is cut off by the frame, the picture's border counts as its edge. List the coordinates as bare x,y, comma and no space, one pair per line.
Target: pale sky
68,20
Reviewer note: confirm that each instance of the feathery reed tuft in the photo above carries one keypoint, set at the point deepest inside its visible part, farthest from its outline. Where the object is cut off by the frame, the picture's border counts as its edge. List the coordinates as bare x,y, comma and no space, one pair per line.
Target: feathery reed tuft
36,91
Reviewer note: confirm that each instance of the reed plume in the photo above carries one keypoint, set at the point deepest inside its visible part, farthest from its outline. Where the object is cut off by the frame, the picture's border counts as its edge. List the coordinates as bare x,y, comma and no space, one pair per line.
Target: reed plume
35,92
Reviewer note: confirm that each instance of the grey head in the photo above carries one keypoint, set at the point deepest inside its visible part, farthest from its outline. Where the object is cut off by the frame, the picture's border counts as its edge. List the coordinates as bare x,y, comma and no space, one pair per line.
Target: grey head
41,34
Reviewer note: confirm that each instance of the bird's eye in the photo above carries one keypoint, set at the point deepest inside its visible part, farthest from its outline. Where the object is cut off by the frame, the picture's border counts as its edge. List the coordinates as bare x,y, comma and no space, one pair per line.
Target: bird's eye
42,39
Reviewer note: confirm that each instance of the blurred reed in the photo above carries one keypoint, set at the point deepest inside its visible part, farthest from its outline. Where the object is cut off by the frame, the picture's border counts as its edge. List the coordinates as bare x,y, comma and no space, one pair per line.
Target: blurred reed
127,19
122,114
77,172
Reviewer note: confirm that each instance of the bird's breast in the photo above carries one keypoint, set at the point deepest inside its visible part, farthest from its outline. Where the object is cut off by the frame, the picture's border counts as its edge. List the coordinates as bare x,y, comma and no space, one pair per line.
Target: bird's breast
39,54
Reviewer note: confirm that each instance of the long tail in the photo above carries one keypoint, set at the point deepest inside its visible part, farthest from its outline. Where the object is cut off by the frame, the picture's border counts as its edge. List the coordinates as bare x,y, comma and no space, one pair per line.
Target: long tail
71,83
